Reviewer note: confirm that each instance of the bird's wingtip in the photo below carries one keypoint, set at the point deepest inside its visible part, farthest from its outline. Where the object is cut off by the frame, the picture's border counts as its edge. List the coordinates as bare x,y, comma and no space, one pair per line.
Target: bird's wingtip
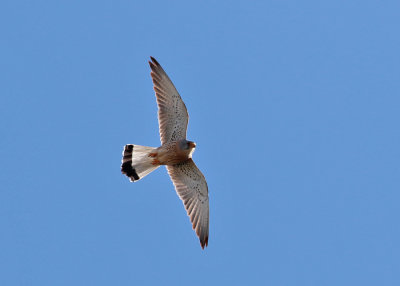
154,61
204,243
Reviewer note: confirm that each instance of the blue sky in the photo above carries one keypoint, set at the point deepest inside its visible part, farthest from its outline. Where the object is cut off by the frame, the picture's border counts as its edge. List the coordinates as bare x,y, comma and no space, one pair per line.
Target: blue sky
295,109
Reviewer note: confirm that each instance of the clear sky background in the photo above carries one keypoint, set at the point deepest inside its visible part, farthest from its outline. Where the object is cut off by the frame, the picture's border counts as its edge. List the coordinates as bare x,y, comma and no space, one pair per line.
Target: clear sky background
295,109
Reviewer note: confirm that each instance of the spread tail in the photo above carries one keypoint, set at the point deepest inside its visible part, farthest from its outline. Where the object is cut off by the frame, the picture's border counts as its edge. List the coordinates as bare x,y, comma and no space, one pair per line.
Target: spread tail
136,162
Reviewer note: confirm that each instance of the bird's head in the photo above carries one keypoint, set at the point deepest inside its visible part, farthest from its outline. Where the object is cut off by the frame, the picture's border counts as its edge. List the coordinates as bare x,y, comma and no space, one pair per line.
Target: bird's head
187,146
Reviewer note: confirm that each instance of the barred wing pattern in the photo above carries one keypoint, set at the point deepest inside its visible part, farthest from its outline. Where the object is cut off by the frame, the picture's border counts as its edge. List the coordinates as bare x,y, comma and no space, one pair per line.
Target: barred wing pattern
191,187
172,113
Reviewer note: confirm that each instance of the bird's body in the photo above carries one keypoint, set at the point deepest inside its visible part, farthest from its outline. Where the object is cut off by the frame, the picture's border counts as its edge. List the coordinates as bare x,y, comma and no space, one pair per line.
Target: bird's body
175,153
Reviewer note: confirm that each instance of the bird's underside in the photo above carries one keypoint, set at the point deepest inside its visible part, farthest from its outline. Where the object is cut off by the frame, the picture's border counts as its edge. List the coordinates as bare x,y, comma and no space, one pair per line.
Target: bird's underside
175,153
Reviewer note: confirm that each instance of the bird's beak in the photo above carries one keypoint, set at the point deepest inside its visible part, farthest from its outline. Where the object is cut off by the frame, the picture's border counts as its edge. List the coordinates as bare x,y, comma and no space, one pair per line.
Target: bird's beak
192,144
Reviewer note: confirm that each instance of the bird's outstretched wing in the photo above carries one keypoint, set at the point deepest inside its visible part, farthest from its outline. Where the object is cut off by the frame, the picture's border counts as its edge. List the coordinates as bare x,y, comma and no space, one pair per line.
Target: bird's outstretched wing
172,113
191,187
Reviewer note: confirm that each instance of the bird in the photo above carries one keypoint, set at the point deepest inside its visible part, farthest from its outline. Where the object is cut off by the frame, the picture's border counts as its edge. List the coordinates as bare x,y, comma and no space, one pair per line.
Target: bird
175,153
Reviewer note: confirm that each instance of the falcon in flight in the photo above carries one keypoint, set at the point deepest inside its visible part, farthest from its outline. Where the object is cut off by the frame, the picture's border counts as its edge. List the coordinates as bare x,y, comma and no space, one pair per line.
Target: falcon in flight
175,153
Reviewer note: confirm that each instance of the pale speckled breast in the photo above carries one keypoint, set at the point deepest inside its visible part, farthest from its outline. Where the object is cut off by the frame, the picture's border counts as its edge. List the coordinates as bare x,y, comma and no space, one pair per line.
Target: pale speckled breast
171,154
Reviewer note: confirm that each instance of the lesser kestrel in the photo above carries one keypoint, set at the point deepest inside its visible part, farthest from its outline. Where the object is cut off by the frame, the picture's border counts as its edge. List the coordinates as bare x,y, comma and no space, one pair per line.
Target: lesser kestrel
175,153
